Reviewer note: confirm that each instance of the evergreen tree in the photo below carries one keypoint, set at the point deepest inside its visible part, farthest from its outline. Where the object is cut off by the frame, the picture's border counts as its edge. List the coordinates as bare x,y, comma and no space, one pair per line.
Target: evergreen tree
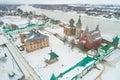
20,12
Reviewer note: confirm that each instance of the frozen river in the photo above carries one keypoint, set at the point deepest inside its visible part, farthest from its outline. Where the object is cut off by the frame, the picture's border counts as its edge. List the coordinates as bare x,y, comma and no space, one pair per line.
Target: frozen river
107,26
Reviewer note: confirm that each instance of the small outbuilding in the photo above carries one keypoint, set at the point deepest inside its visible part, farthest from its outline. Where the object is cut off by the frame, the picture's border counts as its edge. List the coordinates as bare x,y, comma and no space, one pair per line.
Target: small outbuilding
53,57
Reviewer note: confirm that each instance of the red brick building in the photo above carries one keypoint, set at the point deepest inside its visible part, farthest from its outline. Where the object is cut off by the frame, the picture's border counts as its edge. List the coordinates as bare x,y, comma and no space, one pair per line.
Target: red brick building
90,39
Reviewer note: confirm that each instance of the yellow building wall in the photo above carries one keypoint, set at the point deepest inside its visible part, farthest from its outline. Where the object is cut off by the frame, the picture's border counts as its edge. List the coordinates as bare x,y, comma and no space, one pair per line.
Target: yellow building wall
37,44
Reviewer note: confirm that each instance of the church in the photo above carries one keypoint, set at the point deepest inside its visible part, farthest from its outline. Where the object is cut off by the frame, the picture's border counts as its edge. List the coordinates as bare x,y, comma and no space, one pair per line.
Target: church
71,30
90,39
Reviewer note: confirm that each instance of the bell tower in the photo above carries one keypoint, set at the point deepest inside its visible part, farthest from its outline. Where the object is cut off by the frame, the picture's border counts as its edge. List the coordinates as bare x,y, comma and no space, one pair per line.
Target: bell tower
78,27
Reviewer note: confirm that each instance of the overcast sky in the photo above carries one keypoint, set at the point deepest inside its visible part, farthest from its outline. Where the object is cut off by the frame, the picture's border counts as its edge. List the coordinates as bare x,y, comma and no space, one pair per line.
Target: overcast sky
62,1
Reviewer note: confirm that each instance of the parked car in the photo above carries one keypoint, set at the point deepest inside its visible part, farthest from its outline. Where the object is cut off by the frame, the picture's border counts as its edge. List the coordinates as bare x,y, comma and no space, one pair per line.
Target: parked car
11,74
20,47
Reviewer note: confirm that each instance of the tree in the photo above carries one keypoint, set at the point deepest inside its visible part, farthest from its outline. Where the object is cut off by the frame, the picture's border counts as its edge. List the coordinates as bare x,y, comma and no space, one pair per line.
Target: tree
26,14
72,43
1,22
20,11
29,19
65,39
30,13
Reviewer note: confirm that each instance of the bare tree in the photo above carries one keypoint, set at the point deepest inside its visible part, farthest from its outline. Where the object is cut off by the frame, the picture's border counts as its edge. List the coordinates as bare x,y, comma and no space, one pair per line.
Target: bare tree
72,43
29,19
65,39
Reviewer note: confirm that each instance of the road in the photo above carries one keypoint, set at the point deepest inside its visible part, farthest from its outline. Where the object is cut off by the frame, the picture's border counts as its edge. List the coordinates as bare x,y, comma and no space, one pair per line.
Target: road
26,68
100,74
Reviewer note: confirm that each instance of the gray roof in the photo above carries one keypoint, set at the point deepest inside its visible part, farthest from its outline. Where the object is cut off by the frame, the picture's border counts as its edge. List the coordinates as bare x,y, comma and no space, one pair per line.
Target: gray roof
34,36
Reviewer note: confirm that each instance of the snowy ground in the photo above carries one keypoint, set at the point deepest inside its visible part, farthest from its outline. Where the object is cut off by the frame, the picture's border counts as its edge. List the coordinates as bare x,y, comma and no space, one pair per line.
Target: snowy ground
14,20
112,70
67,58
8,66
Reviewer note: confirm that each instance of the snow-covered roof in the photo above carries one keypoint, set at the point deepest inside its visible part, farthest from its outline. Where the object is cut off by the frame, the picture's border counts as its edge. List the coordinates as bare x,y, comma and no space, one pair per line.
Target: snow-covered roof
71,27
107,47
34,36
97,38
94,32
83,41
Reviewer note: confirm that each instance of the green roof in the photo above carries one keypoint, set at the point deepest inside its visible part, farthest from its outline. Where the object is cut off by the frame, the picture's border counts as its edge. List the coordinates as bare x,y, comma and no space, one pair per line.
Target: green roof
31,25
116,39
53,77
79,22
85,61
4,27
107,47
53,21
53,55
41,24
82,63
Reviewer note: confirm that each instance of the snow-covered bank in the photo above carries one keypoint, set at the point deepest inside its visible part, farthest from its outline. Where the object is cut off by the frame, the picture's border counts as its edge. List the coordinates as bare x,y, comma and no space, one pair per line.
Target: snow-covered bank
107,26
14,20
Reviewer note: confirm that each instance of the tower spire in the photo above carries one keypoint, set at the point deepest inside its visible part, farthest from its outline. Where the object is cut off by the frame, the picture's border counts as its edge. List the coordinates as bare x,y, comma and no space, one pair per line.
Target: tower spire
86,30
78,24
97,28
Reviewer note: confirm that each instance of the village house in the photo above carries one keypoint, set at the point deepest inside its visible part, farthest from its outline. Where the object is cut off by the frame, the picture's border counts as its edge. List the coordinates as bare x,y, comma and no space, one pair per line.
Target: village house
34,40
53,57
90,39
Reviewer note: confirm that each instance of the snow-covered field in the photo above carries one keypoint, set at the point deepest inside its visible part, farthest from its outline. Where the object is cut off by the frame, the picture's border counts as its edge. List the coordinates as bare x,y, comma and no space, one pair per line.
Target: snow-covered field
14,20
67,58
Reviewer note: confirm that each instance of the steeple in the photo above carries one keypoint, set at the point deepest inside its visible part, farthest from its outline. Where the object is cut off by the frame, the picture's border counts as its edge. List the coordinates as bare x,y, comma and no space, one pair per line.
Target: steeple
78,24
97,28
116,39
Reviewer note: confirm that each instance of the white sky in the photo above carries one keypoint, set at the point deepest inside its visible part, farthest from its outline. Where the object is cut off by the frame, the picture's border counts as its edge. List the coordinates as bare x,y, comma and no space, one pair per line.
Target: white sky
63,1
